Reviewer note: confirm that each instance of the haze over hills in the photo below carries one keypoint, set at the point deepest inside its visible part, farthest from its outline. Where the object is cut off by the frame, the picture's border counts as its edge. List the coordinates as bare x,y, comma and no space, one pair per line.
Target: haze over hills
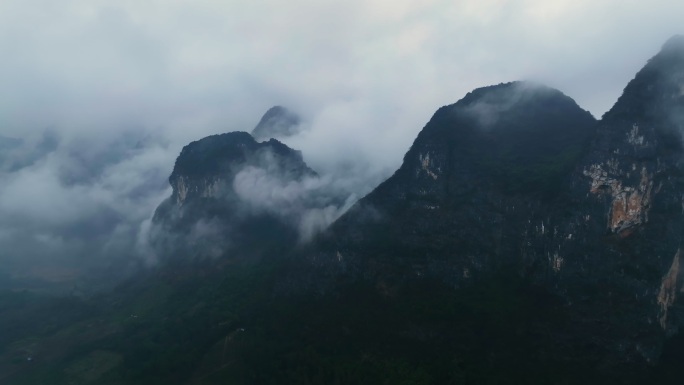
71,206
520,241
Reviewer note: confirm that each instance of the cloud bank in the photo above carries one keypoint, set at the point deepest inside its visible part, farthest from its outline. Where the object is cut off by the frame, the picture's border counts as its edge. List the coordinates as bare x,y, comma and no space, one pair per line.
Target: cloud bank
77,204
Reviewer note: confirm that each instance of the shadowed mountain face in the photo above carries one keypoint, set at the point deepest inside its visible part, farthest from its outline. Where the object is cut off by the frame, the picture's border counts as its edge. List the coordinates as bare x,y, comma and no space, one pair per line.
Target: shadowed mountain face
516,181
277,122
473,180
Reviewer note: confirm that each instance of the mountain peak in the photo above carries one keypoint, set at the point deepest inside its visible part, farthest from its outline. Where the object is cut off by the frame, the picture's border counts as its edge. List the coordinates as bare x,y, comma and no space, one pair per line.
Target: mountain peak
657,87
277,122
498,143
220,156
507,132
222,193
513,95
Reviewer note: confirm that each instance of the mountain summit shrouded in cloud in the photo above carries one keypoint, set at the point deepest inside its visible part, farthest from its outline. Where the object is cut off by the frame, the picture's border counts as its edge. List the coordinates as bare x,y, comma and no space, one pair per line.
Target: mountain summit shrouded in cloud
231,193
277,122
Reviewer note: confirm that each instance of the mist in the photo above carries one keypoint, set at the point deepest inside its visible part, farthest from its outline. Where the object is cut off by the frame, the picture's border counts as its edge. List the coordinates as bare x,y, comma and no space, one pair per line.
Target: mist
77,203
311,204
97,98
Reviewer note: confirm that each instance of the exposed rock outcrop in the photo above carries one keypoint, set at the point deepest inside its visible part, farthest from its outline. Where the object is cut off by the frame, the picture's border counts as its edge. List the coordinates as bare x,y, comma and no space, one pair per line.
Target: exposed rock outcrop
670,288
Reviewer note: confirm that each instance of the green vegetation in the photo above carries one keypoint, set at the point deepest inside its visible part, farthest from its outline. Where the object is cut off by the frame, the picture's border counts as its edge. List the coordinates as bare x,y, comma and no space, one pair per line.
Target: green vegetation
229,327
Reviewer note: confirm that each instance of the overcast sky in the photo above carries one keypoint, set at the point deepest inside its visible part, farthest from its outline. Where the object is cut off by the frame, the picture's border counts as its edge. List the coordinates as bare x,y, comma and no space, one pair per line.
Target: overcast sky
364,75
368,69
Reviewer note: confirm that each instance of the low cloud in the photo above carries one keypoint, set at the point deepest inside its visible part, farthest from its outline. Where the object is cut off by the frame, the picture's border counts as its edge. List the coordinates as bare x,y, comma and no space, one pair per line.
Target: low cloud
311,203
78,203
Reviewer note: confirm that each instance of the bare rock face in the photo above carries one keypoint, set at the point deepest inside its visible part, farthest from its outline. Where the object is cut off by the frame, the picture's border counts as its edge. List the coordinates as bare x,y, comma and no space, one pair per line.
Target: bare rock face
630,204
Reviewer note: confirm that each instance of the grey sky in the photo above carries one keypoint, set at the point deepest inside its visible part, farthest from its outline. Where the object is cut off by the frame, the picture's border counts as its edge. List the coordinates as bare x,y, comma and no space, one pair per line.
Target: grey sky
209,66
365,76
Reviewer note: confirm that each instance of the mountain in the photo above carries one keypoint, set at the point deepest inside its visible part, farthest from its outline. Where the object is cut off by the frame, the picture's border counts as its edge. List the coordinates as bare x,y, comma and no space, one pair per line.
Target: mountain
277,122
209,212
